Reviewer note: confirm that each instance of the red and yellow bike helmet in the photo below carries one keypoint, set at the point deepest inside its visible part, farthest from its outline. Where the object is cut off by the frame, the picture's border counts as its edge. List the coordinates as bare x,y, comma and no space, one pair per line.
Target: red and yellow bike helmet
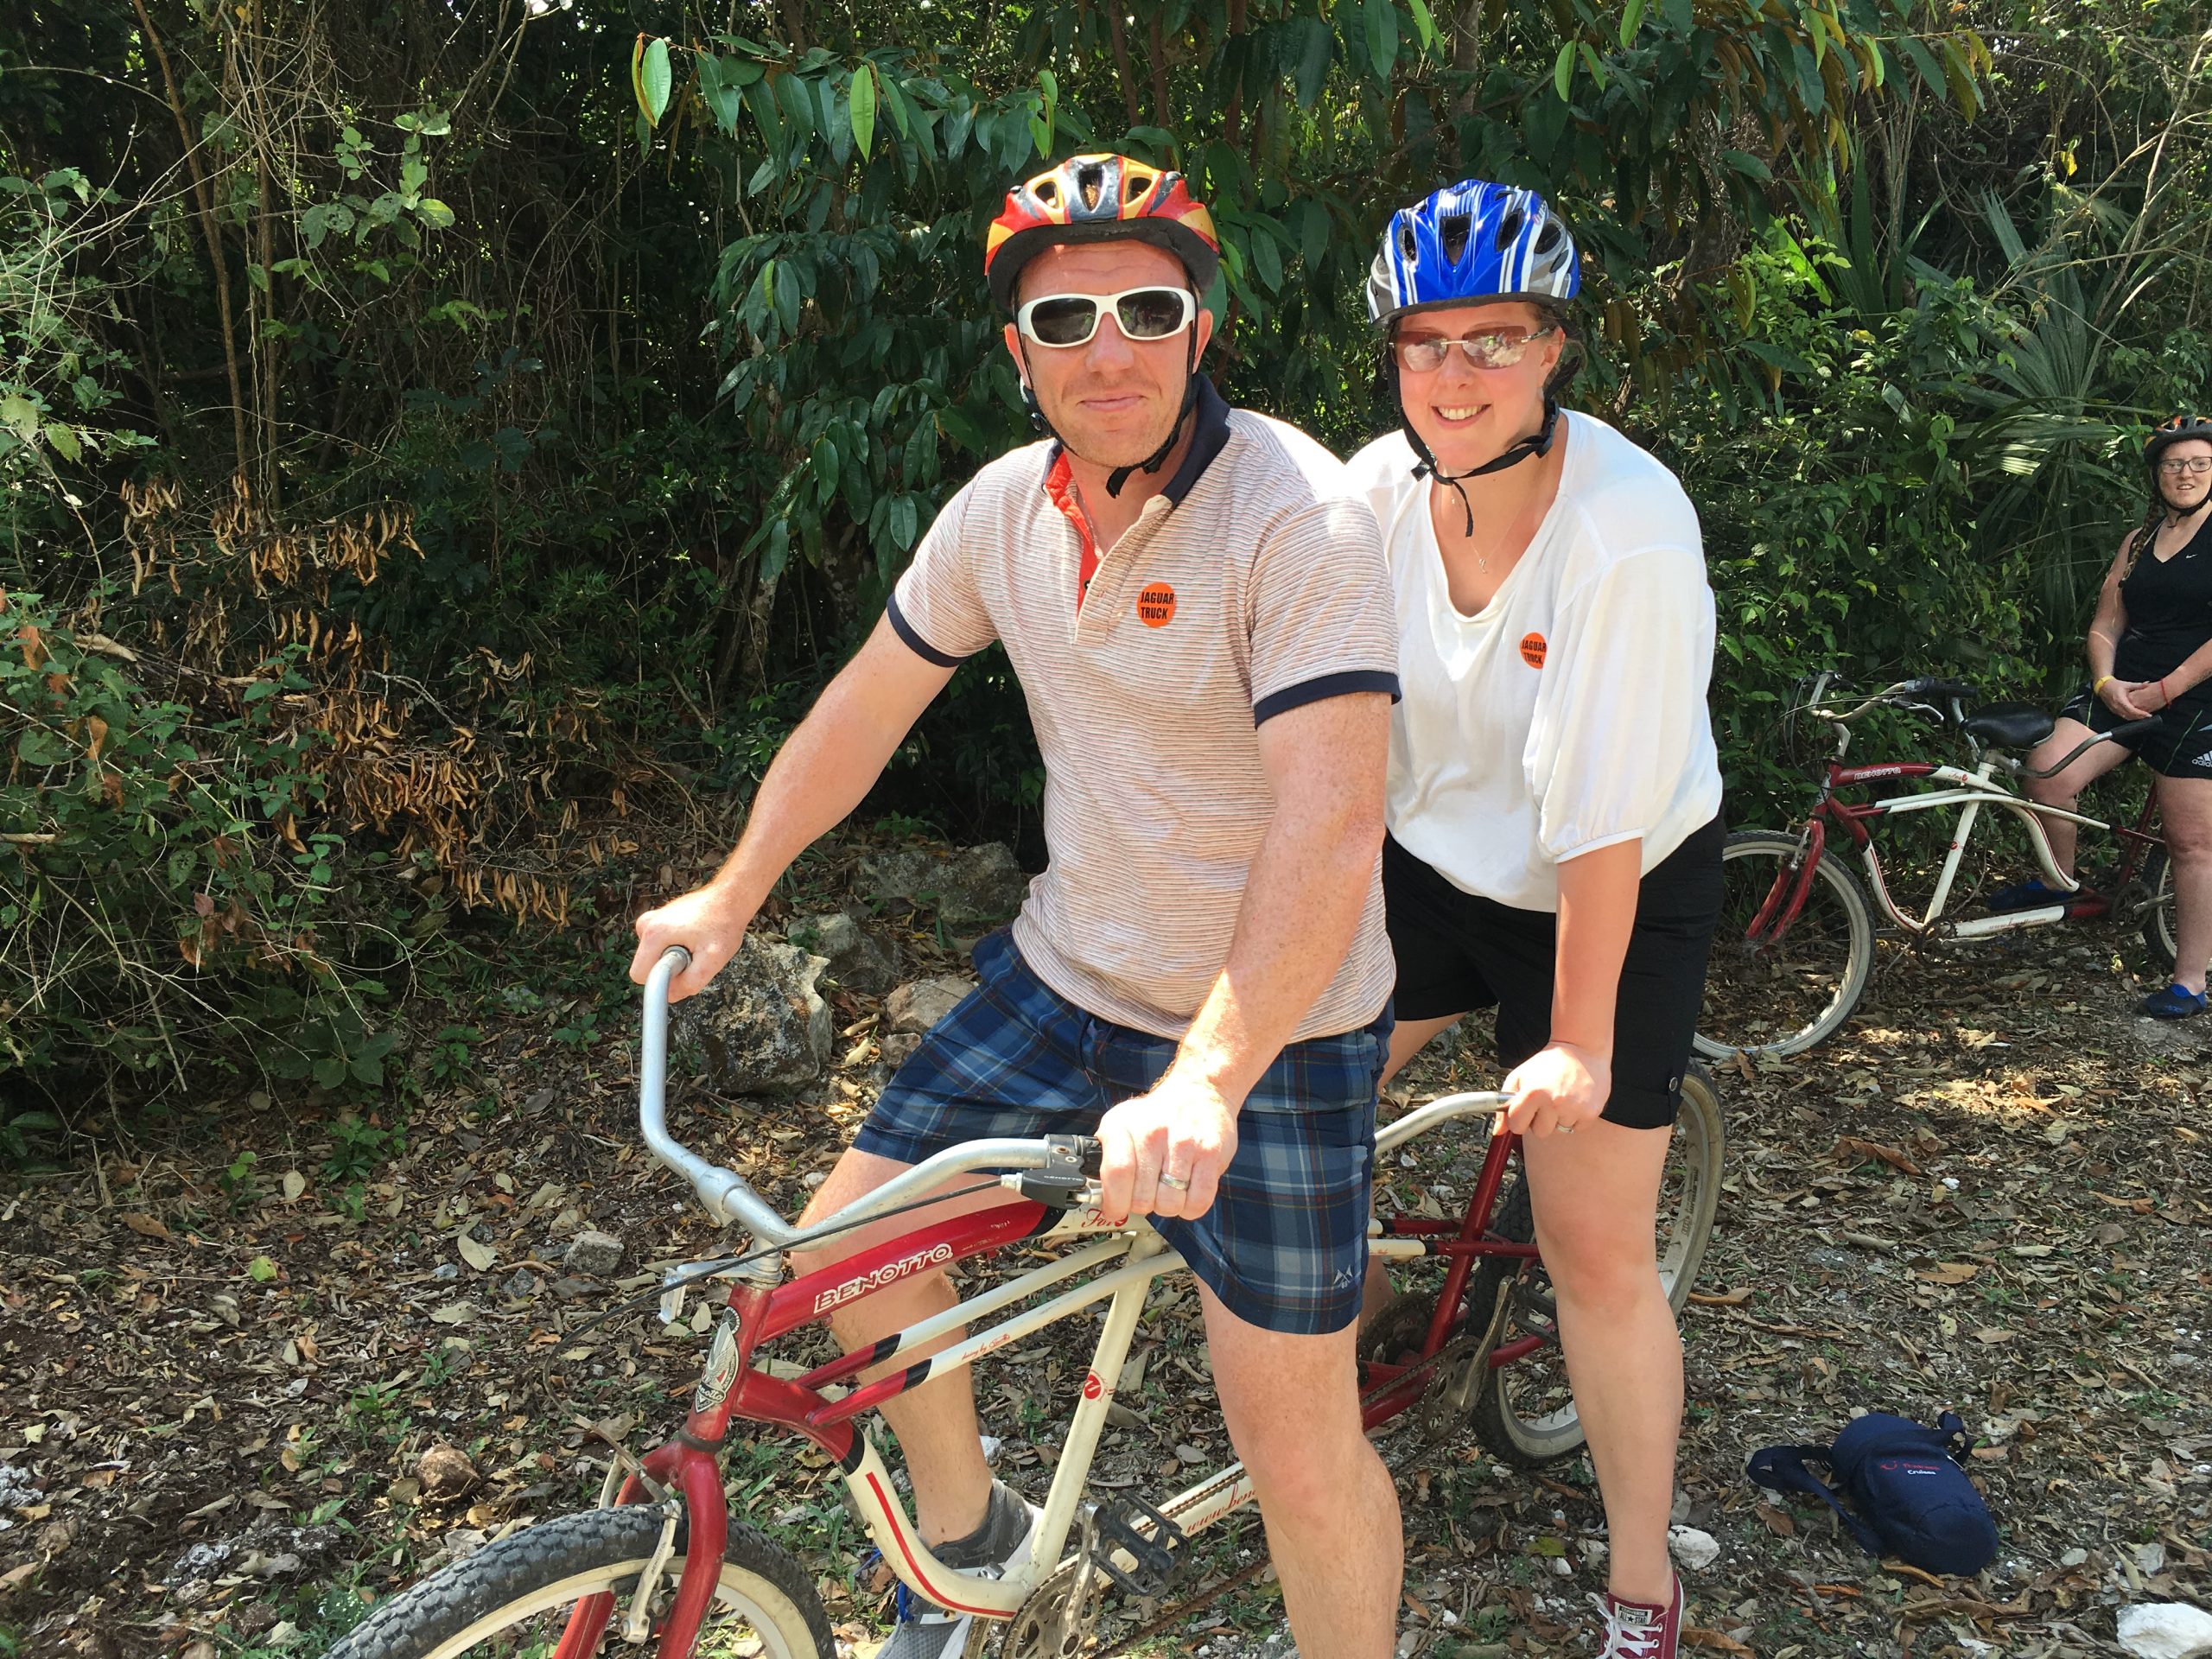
1099,198
2179,429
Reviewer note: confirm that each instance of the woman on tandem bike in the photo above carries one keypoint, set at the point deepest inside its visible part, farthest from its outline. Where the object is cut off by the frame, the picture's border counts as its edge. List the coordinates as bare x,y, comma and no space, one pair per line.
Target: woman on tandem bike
2150,650
1553,804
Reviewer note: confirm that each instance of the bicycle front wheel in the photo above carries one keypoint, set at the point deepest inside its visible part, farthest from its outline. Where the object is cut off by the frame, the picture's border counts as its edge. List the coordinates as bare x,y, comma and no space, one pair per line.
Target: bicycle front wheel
1527,1415
513,1599
1777,983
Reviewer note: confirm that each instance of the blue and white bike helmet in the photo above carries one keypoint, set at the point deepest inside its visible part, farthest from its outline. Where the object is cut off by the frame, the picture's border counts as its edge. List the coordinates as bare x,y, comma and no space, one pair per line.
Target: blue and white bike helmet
1469,244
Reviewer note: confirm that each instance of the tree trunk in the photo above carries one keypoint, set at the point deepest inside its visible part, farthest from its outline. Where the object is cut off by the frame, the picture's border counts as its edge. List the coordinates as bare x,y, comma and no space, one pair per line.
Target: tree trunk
204,211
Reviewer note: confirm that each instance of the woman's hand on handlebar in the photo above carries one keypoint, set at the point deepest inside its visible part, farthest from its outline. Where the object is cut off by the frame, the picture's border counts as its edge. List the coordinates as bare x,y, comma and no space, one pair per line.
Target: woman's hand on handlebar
710,922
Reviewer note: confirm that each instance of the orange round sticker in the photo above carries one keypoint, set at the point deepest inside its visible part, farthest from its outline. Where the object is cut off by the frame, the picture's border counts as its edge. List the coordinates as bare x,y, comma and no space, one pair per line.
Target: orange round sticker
1156,604
1532,650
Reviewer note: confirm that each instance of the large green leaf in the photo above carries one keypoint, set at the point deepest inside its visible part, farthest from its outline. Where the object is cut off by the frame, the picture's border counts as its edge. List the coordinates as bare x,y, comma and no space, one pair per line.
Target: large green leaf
1310,41
863,108
1379,18
651,77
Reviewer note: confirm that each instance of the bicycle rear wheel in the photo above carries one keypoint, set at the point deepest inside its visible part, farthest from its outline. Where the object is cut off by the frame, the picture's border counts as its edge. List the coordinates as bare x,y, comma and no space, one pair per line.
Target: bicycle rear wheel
2160,930
1778,990
512,1598
1526,1416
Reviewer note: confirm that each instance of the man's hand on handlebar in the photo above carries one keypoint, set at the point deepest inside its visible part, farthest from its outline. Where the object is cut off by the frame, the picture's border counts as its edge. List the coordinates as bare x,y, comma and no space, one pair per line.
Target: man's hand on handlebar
709,922
1163,1153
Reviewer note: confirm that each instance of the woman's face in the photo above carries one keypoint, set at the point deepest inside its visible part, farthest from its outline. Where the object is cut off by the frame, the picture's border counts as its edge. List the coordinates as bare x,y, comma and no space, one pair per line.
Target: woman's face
1466,415
2185,474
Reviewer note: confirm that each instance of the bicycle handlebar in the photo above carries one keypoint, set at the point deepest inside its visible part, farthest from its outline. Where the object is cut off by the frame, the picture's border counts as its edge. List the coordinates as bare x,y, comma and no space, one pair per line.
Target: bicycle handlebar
730,1197
1923,691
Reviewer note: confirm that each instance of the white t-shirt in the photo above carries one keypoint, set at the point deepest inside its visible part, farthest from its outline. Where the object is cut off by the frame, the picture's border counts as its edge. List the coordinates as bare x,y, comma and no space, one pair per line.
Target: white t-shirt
1571,713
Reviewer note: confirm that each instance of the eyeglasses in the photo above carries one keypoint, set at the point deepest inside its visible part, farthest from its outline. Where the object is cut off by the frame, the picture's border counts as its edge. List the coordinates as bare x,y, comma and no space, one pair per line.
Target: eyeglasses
2180,464
1497,348
1141,313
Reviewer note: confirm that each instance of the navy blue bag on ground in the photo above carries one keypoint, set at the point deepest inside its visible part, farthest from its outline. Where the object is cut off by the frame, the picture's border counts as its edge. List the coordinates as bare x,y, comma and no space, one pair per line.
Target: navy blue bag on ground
1907,1482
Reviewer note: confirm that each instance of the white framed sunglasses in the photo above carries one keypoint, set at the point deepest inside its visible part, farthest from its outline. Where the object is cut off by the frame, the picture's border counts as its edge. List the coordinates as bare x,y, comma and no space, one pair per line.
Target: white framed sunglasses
1497,348
1141,313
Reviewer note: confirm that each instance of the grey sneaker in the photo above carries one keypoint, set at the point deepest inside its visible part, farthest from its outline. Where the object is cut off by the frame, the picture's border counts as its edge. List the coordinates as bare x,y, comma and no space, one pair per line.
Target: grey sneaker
926,1631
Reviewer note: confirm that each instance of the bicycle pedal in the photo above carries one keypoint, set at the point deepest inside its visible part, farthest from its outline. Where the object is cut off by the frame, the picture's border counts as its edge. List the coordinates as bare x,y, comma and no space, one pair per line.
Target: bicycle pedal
1155,1558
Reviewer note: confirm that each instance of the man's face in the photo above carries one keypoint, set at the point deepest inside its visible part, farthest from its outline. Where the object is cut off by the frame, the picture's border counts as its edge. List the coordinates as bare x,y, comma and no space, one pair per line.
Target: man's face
1113,400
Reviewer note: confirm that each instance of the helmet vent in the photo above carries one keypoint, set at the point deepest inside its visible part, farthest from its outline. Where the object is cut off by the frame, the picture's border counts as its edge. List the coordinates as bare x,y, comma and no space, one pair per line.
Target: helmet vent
1548,238
1409,249
1047,192
1510,226
1091,182
1453,233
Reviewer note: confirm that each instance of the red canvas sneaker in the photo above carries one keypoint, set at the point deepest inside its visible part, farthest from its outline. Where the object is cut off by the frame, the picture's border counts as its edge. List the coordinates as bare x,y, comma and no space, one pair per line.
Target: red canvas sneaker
1638,1629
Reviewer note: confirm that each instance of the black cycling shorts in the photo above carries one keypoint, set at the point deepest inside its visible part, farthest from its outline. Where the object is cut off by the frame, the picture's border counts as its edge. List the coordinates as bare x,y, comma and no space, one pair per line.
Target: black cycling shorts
1457,953
2180,747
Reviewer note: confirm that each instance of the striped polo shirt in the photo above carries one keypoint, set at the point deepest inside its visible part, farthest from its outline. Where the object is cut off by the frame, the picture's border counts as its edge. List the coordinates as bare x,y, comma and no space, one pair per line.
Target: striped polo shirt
1254,583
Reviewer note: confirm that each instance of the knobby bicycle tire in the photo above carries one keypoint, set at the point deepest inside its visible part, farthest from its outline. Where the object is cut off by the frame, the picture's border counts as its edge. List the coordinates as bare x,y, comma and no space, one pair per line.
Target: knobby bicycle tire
1780,996
542,1569
1503,1415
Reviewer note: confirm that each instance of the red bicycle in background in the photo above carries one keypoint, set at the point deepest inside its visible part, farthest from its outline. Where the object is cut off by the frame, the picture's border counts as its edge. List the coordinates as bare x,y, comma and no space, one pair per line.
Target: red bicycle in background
1795,944
661,1558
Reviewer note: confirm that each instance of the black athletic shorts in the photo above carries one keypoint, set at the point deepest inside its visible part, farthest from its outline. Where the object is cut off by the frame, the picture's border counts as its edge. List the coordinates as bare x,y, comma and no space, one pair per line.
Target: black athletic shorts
1457,953
2180,746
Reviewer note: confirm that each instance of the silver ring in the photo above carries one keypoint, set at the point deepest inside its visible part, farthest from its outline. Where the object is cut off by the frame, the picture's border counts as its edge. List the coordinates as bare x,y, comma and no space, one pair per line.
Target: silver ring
1169,1181
1563,1129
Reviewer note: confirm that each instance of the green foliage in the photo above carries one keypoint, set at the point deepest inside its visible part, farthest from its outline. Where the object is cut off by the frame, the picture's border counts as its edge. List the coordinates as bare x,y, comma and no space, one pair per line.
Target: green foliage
665,384
155,900
56,374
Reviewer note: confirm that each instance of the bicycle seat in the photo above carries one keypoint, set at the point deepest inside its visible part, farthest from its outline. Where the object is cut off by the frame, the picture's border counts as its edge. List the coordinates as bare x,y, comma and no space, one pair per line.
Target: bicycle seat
2009,725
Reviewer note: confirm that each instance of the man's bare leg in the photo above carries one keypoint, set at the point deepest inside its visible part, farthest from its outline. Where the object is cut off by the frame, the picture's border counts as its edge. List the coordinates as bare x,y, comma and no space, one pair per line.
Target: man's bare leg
935,1423
1291,1404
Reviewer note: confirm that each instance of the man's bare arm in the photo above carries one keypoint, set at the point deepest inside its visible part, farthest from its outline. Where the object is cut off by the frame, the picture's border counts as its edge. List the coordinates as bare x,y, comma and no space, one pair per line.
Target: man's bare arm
824,769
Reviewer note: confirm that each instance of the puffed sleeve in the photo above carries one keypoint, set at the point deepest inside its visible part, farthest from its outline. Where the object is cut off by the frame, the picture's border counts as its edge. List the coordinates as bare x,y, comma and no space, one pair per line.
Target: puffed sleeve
1622,702
935,606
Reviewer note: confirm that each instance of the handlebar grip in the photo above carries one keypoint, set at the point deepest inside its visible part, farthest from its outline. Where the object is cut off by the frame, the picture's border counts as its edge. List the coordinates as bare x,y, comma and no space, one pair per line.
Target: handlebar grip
2133,729
1929,686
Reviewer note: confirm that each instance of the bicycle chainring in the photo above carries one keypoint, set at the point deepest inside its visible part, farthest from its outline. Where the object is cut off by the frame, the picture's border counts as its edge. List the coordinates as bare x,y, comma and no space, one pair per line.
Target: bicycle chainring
1058,1620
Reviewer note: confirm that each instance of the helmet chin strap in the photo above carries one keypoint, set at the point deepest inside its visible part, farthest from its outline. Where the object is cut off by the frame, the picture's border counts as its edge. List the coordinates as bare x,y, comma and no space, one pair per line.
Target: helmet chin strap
1158,458
2175,514
1537,443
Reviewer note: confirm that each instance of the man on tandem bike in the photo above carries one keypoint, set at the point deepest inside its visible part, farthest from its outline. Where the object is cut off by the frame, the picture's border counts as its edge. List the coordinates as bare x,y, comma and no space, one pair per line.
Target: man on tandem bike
1197,605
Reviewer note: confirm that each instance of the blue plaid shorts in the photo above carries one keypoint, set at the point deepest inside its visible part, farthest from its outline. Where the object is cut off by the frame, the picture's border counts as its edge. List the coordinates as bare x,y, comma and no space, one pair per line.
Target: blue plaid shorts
1284,1242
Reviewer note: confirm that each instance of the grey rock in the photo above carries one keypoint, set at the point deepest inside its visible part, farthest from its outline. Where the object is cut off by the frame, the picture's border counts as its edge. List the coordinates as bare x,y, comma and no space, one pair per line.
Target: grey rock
573,1289
858,960
893,1049
18,1491
202,1560
914,1008
445,1270
524,1286
2167,1629
763,1027
971,886
1692,1547
593,1252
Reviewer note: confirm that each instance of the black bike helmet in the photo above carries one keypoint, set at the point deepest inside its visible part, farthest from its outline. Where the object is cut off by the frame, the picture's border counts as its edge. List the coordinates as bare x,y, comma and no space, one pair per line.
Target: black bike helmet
2179,429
